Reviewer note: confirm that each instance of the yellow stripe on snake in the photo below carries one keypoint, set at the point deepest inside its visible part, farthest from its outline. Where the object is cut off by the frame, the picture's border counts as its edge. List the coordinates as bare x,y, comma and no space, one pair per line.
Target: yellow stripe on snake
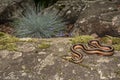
94,47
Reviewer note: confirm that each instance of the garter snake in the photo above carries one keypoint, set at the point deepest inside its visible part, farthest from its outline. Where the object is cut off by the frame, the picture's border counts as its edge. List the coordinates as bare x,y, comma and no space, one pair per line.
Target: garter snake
94,47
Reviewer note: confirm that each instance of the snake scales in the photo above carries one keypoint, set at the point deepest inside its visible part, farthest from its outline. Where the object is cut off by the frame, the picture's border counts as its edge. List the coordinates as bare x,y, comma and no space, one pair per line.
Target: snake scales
94,47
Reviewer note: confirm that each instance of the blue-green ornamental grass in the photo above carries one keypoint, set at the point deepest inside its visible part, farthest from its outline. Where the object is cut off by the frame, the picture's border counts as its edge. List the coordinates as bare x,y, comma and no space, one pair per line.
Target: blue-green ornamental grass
42,25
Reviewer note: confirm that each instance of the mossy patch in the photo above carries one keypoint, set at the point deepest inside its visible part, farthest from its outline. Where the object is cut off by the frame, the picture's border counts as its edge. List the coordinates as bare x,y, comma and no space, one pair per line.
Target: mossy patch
114,41
11,46
117,47
106,39
81,39
5,38
7,42
44,45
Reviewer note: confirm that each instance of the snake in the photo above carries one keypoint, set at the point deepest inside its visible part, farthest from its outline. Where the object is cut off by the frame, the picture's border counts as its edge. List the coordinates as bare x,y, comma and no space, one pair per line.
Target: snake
94,47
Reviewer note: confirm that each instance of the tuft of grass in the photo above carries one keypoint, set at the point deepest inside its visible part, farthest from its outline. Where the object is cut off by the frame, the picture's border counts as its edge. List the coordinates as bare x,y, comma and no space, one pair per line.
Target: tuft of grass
8,42
6,38
81,39
38,24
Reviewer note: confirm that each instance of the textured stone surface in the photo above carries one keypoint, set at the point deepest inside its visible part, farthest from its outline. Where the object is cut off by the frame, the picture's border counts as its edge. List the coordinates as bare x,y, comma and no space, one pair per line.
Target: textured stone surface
68,9
98,16
47,64
12,8
89,16
26,47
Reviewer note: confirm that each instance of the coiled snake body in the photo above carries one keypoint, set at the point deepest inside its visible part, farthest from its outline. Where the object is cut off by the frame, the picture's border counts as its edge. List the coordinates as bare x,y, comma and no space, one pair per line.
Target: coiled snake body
94,47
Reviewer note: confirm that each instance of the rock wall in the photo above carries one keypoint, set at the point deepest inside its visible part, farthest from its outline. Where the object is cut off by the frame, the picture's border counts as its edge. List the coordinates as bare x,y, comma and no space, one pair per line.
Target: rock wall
10,9
91,16
100,17
32,63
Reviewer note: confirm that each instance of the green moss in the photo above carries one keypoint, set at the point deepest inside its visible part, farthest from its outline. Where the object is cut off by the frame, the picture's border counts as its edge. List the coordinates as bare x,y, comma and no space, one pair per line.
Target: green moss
81,39
106,39
7,42
2,34
117,47
8,46
2,47
44,45
115,41
5,38
11,46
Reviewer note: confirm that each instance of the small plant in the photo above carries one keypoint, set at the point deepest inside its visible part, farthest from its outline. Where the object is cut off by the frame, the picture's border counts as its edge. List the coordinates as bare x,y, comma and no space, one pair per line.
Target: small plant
38,25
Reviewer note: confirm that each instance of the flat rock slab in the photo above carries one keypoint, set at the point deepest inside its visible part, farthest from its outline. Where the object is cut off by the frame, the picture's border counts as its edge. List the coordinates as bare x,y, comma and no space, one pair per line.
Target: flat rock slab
47,64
